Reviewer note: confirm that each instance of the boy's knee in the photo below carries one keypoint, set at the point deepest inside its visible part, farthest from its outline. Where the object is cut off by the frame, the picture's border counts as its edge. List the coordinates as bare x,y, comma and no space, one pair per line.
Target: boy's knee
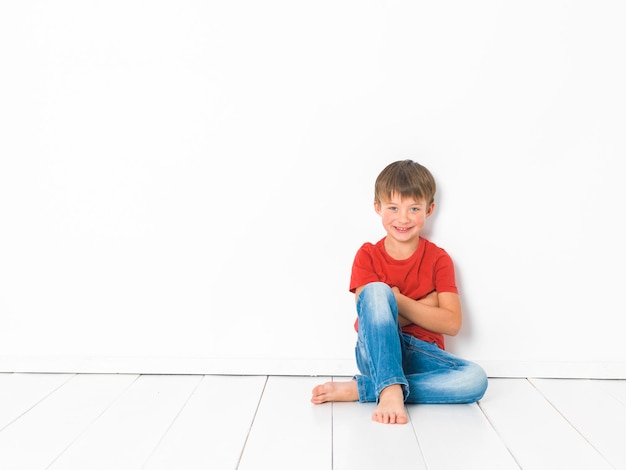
479,382
376,289
378,302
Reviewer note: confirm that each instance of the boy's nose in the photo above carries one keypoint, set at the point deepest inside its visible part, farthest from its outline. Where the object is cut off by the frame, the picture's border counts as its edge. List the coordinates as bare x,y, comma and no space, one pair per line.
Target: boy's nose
404,215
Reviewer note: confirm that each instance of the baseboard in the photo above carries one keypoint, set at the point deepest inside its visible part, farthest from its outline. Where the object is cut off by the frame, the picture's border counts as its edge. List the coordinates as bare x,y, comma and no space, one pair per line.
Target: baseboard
284,366
555,369
178,365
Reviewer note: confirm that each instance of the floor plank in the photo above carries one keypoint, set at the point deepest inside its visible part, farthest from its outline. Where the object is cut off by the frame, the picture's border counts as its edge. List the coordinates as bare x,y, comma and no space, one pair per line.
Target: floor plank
289,432
615,388
597,415
459,436
123,422
535,433
360,443
37,438
21,392
127,433
211,430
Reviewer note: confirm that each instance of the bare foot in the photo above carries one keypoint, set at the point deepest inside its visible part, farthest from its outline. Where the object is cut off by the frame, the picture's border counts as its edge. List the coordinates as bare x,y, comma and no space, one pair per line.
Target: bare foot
335,391
390,409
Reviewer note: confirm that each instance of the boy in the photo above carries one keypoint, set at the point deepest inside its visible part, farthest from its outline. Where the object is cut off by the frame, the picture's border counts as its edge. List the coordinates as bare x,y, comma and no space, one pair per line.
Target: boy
407,299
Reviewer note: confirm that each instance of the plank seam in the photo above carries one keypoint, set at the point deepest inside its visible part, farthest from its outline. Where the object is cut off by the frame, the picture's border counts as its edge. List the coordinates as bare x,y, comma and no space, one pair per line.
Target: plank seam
38,402
508,449
332,431
597,383
169,427
258,405
417,439
106,408
569,422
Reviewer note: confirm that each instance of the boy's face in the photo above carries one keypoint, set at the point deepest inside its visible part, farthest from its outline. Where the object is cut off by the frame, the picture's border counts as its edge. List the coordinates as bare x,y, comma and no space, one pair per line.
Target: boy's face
403,218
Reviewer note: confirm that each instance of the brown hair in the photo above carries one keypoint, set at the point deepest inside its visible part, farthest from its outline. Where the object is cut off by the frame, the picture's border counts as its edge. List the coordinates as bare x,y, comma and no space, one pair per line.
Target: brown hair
406,178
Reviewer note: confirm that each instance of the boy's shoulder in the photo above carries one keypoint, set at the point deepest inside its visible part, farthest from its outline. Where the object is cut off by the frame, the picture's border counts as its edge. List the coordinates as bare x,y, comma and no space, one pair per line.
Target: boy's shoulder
432,250
430,245
376,246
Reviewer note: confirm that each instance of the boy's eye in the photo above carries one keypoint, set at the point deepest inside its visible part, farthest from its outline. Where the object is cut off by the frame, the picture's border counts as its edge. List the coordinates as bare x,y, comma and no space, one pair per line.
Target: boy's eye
415,209
392,208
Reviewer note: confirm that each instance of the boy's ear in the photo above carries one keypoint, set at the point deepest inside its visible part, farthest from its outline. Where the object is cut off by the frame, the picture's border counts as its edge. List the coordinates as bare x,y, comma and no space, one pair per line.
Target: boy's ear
430,210
377,207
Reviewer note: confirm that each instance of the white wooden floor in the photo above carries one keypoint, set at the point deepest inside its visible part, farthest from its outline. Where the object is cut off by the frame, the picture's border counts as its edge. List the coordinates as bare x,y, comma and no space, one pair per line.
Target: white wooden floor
93,421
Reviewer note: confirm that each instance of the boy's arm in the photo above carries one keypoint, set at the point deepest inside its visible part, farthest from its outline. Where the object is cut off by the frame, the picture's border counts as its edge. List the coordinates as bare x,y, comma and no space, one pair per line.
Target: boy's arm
430,299
437,312
443,316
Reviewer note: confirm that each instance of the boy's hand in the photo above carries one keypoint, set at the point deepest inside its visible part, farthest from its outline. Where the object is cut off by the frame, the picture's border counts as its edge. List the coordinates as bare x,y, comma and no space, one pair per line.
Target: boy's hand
403,321
440,313
431,299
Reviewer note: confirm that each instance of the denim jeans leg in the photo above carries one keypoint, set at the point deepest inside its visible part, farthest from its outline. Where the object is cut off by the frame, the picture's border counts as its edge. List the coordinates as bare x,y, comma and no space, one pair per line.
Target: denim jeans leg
379,346
437,376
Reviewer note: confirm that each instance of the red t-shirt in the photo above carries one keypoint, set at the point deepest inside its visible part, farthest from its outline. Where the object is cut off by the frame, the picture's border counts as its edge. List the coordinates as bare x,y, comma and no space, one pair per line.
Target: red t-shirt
429,269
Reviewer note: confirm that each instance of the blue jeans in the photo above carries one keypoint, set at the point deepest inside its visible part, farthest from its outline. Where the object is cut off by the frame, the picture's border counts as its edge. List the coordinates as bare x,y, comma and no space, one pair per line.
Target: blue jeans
386,356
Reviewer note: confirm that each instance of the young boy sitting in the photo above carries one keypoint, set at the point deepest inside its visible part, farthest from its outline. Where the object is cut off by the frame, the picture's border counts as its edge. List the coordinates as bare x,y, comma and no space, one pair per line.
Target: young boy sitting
406,300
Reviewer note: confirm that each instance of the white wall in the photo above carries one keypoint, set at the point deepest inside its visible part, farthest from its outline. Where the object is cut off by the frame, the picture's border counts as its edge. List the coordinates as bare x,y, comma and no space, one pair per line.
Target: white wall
183,184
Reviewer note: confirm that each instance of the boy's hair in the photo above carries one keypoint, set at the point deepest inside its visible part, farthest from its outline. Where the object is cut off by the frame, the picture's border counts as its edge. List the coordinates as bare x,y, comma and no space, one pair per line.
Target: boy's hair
406,178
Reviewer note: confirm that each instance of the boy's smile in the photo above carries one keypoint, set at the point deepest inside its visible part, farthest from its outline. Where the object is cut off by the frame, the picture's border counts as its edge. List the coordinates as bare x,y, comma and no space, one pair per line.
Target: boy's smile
403,219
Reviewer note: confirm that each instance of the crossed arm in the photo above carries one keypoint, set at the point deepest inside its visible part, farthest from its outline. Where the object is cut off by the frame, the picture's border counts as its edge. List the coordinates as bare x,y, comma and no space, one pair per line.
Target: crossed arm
437,312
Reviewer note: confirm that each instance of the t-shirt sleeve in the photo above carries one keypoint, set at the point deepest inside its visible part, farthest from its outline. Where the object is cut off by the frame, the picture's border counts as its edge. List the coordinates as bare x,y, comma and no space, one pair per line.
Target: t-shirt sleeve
363,268
444,277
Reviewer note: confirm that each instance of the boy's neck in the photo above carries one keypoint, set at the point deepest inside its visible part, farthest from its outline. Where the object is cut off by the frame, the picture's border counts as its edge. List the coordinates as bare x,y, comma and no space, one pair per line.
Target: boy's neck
400,250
